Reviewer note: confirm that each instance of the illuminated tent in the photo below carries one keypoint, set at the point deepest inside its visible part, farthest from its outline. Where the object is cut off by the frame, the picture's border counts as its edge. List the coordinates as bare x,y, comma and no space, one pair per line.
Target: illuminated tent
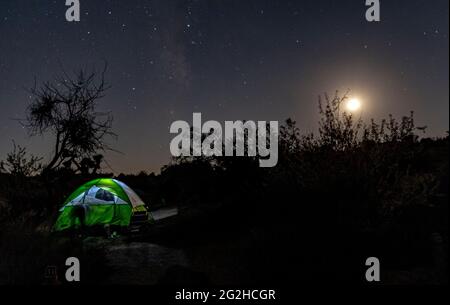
100,202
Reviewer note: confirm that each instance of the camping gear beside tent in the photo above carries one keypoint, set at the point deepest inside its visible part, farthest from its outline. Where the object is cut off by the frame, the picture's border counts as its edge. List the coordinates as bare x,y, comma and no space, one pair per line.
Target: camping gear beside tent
102,201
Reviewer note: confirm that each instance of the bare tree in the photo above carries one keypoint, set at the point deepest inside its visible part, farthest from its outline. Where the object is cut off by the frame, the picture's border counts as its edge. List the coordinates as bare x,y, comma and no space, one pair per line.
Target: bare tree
66,108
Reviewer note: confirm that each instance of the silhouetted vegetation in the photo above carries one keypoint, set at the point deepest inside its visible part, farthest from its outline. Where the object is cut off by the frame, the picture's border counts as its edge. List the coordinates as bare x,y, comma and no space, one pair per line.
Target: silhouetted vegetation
18,163
351,191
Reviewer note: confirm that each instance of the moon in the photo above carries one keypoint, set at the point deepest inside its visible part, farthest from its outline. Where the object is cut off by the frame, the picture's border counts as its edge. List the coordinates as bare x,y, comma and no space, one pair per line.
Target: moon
353,104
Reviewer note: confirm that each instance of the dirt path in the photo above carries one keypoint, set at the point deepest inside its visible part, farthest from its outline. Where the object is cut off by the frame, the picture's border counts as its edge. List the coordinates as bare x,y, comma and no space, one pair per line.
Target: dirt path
141,262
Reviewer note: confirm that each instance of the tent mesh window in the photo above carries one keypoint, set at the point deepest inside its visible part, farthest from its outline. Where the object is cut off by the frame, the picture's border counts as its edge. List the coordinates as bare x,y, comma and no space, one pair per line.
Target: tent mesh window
104,195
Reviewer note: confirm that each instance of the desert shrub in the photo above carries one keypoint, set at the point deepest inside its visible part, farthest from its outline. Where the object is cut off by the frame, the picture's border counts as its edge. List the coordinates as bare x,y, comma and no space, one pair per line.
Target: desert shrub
18,163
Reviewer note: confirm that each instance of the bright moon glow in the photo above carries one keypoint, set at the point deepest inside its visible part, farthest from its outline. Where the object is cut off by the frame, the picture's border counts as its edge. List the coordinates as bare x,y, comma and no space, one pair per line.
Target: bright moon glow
353,104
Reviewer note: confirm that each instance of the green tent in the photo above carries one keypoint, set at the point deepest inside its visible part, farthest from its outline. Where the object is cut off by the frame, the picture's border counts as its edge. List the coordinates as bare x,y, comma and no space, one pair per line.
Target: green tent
100,202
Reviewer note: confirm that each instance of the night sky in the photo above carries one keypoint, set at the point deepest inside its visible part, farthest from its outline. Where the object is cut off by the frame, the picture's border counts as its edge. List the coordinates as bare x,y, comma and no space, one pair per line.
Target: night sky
229,60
